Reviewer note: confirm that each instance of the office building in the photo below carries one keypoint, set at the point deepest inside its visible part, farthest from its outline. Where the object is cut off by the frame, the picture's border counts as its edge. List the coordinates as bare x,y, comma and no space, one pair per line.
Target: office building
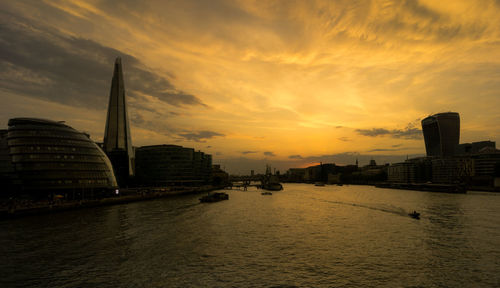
441,134
416,170
475,147
172,165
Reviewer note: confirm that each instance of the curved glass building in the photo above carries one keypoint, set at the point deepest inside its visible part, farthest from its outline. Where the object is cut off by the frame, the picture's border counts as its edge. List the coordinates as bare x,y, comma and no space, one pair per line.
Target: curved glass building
51,157
441,134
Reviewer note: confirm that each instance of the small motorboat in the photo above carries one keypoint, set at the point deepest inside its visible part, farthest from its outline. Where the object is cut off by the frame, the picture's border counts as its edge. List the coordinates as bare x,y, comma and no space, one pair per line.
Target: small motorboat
414,215
266,193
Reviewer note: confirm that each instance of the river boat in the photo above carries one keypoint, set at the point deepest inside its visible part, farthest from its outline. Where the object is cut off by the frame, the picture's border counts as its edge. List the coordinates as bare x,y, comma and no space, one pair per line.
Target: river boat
414,215
271,182
214,197
266,193
272,186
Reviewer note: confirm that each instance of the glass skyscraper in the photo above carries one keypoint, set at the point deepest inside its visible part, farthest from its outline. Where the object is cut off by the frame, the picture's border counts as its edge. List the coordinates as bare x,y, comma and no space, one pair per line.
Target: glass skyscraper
441,134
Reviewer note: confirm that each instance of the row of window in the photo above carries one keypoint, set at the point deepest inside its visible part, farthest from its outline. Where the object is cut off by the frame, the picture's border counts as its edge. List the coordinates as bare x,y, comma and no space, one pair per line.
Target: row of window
51,174
68,183
56,157
54,149
61,166
50,141
28,127
45,133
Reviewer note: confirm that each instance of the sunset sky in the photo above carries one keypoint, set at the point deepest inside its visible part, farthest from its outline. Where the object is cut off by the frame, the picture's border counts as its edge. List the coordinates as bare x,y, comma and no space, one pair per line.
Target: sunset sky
289,83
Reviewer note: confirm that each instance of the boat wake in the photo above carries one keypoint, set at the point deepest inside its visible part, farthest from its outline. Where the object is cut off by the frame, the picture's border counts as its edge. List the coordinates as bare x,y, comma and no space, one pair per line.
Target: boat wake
383,208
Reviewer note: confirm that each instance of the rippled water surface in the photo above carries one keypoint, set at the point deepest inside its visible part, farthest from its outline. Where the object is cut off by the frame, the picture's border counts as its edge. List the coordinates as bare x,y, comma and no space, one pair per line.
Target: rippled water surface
303,236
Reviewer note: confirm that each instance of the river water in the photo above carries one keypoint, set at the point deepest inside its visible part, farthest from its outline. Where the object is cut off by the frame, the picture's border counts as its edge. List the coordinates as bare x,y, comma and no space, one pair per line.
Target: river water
303,236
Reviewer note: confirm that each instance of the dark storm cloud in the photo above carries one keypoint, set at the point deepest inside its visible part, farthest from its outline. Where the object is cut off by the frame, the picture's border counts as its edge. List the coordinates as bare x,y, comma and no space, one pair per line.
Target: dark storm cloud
137,119
374,132
42,63
410,132
384,150
269,153
414,7
200,136
248,152
295,157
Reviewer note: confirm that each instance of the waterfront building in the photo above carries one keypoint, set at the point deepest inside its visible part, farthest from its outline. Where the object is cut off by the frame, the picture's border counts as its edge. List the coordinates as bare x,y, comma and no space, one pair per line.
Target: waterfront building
296,175
486,167
452,170
416,170
328,173
219,176
334,178
474,147
441,134
42,157
117,139
400,173
313,174
172,165
478,170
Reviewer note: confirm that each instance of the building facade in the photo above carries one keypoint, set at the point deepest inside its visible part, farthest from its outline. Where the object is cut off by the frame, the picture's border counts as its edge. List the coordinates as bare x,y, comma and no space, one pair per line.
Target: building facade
51,157
452,170
416,170
172,165
441,134
475,147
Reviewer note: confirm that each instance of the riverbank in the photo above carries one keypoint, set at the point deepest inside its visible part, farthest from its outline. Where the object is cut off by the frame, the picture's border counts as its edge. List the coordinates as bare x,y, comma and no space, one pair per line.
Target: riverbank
429,187
21,208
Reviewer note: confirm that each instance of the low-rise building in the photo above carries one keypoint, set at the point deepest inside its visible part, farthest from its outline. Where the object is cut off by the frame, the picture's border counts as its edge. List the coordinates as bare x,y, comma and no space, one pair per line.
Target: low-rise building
296,175
219,176
416,170
452,170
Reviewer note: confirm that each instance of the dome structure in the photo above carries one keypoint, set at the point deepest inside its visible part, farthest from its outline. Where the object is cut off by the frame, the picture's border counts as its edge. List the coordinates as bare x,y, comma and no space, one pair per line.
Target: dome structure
52,156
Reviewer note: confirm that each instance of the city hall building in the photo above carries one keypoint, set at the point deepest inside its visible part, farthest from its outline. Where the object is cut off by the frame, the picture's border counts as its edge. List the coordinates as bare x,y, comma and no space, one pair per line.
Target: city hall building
43,157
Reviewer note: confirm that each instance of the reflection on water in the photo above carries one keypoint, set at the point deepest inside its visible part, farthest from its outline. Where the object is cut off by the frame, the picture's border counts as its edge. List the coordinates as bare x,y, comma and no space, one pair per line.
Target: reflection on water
303,236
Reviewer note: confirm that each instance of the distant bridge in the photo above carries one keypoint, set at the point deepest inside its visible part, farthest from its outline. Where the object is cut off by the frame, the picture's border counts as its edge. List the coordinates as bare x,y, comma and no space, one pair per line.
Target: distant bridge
245,178
244,184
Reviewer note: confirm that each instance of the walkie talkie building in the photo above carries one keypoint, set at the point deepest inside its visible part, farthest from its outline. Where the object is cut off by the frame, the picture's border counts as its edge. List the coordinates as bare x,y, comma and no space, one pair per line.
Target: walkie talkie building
441,134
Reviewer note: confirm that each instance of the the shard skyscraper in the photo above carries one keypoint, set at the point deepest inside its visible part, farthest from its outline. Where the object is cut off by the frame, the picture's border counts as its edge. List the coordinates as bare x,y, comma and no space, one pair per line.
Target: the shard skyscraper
117,140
